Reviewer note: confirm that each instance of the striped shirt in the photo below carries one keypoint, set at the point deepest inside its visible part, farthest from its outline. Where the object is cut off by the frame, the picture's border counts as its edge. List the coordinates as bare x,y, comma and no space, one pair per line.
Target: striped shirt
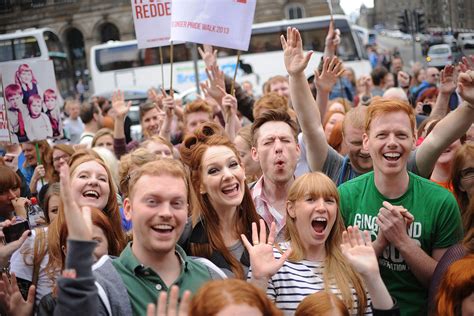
296,280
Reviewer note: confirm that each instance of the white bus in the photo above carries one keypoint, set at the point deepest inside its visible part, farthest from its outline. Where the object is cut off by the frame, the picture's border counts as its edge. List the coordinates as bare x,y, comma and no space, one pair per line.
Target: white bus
122,65
38,44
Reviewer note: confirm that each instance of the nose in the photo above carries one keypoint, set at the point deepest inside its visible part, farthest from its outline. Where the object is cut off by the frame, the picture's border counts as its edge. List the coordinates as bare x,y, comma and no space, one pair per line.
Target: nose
11,194
165,210
320,206
278,146
391,141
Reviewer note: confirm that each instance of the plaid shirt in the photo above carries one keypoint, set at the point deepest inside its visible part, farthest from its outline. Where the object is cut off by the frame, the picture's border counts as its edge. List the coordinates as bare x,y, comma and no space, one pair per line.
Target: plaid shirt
268,212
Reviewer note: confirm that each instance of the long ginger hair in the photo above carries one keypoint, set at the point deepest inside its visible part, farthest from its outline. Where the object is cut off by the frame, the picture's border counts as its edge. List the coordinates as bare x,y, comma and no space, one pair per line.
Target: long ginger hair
192,152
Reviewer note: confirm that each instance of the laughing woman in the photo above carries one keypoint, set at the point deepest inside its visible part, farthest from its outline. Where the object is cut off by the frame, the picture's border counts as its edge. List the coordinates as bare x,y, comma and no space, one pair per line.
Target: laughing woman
322,257
92,185
225,208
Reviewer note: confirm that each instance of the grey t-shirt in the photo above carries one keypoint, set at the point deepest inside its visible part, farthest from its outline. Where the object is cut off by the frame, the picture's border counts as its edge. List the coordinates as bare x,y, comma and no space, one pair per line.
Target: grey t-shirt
338,167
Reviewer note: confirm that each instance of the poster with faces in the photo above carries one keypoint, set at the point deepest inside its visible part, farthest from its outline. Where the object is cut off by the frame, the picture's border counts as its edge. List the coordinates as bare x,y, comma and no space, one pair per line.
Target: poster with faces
4,134
32,101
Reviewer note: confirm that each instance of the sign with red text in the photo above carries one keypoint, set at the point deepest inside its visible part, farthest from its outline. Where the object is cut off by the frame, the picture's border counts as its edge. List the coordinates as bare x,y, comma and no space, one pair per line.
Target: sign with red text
223,23
152,19
4,132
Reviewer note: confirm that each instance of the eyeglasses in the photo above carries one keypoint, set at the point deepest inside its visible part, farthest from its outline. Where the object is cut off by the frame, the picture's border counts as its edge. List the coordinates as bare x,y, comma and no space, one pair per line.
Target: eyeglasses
467,173
58,158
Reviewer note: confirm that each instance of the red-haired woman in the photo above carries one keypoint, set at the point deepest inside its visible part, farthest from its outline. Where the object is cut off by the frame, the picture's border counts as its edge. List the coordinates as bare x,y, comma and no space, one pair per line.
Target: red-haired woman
225,209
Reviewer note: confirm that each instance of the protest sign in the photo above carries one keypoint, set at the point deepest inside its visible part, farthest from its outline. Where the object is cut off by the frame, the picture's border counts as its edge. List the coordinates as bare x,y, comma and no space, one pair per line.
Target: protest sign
4,135
32,100
223,23
152,19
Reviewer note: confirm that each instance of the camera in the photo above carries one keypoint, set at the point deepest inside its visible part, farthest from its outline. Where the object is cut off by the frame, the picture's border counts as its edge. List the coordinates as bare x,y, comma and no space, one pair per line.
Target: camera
426,107
15,231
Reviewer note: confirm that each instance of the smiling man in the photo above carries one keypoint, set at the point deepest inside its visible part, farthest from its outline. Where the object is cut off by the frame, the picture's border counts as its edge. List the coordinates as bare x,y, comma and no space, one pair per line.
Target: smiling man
276,148
408,246
157,205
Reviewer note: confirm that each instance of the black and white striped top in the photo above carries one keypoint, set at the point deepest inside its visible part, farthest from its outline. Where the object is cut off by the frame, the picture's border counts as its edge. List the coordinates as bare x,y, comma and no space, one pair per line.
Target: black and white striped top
296,280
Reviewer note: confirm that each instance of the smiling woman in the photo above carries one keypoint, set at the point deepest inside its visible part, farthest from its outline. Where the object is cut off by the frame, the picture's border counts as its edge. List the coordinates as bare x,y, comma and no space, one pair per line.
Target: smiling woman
225,208
92,186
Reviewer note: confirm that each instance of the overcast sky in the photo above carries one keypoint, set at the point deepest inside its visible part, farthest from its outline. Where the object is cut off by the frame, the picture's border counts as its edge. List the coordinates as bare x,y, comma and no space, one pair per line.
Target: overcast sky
349,6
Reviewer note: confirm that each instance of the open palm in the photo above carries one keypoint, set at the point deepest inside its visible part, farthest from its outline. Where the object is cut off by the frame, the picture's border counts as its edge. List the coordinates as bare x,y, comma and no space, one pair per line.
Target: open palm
466,86
263,262
295,59
119,105
332,70
359,251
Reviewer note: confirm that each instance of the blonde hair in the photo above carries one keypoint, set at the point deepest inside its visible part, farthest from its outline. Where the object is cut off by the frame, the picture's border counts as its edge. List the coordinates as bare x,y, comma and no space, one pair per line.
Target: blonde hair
336,268
135,159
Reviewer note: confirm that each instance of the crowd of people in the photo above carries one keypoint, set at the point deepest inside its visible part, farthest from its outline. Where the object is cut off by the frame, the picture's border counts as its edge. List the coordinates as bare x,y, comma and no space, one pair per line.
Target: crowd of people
311,199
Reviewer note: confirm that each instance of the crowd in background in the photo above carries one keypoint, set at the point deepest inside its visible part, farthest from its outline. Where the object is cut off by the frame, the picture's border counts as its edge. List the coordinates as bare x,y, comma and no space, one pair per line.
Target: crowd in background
341,194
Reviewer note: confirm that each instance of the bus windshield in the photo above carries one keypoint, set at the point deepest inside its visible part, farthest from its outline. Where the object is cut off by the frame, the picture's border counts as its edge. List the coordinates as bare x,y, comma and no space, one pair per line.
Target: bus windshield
19,48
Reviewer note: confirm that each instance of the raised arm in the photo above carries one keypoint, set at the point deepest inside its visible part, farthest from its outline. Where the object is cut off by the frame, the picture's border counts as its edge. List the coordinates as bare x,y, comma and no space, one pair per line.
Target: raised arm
303,102
121,109
450,128
359,252
446,88
169,108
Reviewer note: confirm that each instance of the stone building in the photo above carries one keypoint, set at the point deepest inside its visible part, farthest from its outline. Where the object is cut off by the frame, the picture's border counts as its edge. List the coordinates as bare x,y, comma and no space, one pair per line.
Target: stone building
84,23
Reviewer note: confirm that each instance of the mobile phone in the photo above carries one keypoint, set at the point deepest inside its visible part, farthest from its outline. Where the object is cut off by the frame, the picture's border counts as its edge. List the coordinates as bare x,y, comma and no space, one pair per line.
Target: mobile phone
15,231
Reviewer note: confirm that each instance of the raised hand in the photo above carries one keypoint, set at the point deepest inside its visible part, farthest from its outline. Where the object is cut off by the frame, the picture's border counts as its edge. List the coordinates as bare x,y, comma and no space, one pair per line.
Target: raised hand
294,57
229,102
467,63
466,86
79,222
403,79
168,104
12,300
263,263
447,82
119,105
208,55
332,70
216,78
333,38
173,308
359,251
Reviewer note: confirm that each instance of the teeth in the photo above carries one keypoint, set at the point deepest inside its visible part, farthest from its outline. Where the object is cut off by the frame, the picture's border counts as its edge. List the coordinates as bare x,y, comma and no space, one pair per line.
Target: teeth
230,188
90,192
320,219
162,226
392,155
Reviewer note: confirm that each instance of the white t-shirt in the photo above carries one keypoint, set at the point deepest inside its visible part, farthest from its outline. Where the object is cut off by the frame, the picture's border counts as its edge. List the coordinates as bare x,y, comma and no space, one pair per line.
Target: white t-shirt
21,263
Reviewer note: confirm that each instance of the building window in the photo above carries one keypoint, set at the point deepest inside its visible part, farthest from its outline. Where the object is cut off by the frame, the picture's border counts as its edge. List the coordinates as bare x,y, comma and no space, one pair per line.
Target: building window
294,11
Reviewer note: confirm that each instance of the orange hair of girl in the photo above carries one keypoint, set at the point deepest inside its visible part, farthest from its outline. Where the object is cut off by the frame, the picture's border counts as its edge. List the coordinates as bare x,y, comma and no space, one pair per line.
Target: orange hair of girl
457,284
321,303
214,296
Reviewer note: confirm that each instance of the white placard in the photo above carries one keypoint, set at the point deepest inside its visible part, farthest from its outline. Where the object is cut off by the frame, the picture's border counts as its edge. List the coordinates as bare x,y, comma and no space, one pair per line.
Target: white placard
223,23
32,100
152,19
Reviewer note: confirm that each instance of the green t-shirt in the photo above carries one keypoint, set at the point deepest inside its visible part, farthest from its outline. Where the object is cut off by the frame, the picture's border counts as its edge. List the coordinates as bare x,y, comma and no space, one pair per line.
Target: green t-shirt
437,224
144,285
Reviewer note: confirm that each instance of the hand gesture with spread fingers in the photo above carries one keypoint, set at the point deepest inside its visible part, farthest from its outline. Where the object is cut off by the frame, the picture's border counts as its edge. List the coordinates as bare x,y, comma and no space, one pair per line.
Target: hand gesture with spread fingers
332,70
119,105
294,57
173,308
263,262
208,55
12,300
357,248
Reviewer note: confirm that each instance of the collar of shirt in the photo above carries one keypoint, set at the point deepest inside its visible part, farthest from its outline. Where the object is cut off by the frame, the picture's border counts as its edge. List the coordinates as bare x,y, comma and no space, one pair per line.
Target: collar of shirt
129,261
266,210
